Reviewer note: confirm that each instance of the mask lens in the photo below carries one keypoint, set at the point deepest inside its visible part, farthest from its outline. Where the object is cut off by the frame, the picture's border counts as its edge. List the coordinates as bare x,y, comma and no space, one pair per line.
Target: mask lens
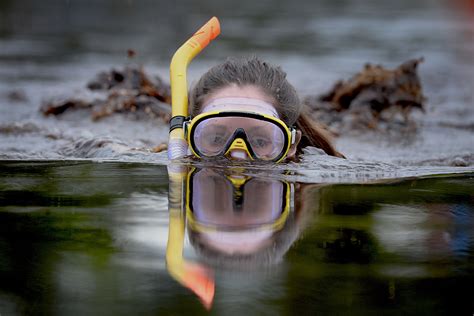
214,200
267,140
264,200
212,135
211,197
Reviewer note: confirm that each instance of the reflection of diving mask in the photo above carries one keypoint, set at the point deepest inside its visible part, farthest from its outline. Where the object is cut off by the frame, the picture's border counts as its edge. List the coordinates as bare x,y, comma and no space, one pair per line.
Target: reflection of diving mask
261,136
219,202
228,214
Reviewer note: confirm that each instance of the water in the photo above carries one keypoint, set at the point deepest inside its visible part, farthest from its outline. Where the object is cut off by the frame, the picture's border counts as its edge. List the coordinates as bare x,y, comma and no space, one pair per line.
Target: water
92,238
84,206
51,49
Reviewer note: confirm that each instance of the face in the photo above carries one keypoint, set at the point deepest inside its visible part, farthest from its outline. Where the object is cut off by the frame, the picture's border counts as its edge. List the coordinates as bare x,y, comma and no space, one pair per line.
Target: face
234,213
261,103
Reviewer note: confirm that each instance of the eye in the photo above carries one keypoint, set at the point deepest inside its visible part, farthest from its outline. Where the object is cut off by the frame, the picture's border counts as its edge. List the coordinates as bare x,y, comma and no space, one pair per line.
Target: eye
260,142
217,139
211,135
214,139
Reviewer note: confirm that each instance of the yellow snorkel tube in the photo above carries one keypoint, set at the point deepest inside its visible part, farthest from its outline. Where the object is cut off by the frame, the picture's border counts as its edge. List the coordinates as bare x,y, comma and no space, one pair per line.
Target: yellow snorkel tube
192,275
177,145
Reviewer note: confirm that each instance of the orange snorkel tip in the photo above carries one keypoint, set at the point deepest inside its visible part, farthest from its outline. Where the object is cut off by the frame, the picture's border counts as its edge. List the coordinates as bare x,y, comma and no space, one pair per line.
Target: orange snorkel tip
207,32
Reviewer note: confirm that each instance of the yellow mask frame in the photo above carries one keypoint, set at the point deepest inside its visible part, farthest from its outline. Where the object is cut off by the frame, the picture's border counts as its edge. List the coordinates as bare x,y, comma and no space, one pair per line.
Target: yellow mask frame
239,142
238,183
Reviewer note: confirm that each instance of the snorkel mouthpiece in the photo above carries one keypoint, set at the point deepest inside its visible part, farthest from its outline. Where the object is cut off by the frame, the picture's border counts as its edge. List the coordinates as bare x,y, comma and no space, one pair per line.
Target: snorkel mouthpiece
177,146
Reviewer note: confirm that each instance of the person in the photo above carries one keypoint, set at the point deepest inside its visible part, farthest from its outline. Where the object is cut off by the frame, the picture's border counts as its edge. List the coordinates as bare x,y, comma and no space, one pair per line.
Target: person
246,109
234,221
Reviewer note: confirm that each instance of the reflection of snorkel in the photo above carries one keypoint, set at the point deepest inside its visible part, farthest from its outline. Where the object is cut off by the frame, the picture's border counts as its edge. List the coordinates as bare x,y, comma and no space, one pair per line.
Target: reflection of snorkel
192,275
177,146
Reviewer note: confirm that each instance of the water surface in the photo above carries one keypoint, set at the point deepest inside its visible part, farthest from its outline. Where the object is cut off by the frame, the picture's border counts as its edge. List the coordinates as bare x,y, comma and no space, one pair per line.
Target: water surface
51,49
89,238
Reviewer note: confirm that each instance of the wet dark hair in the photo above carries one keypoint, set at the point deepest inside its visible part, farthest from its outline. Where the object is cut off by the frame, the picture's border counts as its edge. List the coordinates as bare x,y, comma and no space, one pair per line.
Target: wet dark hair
272,80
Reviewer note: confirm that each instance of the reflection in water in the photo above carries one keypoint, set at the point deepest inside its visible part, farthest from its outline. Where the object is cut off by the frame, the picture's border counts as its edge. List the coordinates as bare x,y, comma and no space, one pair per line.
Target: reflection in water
397,241
233,220
232,215
91,238
382,235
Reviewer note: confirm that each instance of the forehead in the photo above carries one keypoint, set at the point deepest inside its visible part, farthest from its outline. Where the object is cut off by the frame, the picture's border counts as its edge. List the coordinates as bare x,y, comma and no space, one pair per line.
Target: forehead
235,98
240,105
247,91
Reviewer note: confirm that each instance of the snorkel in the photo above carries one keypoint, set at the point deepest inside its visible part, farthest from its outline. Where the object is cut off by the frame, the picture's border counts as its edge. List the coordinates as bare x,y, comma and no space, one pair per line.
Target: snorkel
177,145
192,275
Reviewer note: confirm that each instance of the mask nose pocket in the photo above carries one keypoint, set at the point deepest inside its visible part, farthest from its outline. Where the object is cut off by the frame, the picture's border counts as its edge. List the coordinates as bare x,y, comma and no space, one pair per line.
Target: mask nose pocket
239,144
238,148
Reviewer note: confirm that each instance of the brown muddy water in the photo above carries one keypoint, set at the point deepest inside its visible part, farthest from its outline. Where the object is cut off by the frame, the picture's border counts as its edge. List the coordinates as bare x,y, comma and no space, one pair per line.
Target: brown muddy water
92,222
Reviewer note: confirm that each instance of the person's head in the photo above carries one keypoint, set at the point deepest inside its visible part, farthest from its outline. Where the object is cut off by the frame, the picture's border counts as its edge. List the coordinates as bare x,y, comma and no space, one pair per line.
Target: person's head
252,85
239,221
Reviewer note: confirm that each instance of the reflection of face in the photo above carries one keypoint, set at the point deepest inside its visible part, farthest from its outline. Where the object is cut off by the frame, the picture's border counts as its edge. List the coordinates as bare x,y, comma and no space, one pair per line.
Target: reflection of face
216,201
239,210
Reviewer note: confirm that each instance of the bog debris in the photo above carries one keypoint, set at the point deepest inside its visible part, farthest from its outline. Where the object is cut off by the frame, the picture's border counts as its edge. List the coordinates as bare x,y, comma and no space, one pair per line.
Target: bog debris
128,90
369,94
373,96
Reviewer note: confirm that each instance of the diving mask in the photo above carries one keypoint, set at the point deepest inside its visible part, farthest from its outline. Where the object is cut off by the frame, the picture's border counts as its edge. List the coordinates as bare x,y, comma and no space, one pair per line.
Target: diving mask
254,129
235,203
